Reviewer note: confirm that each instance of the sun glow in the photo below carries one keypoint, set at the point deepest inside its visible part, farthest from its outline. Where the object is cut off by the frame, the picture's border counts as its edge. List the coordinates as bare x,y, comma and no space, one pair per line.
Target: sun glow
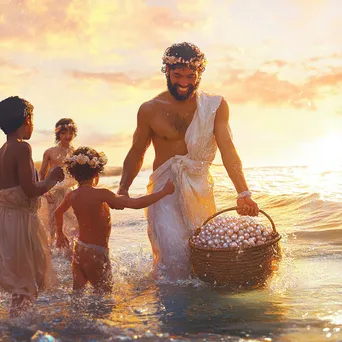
325,154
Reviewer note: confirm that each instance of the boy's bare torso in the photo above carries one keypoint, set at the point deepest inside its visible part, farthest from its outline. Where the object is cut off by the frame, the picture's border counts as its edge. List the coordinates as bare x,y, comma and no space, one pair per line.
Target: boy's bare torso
168,121
8,174
93,215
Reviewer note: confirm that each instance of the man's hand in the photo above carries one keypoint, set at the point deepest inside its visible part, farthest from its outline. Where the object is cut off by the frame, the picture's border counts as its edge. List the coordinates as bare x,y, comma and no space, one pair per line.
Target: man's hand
62,241
123,191
247,206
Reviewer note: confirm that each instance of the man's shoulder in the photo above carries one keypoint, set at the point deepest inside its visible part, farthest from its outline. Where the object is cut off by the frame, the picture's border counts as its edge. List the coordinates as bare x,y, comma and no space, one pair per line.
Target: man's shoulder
150,105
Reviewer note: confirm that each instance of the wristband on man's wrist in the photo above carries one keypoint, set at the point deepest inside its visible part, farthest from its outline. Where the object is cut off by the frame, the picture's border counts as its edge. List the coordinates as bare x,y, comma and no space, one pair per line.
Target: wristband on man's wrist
244,194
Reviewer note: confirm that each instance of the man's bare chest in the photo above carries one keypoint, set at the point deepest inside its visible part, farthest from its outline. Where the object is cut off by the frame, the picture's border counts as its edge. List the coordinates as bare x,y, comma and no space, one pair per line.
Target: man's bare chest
172,123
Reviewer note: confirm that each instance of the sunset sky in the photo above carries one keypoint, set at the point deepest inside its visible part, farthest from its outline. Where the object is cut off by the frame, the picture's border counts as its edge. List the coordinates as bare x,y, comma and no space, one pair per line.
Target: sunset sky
278,63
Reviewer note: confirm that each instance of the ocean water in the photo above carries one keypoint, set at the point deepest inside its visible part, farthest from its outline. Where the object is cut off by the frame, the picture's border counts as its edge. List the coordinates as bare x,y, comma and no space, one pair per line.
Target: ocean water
301,302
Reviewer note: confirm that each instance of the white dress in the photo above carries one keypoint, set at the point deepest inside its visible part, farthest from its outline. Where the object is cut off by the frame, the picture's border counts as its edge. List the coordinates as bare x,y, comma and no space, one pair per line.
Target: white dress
172,220
25,265
47,210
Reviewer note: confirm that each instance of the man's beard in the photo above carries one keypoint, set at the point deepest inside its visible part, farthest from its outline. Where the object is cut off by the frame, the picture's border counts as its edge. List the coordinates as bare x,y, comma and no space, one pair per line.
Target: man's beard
173,89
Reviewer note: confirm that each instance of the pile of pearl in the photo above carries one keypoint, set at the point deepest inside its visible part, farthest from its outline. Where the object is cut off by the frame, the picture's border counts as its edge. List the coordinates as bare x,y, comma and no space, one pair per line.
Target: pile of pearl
232,232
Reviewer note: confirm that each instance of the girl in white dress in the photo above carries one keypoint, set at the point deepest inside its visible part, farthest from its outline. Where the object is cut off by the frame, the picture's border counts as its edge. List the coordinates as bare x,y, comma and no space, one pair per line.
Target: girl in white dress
65,132
25,266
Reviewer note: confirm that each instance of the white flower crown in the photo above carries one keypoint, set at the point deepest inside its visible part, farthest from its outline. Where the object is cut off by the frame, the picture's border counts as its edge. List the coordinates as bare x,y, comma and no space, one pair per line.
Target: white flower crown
84,159
65,126
196,62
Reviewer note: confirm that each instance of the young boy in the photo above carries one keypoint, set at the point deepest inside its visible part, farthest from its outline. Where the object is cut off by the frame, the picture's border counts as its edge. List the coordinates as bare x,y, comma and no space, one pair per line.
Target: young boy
65,132
25,266
91,206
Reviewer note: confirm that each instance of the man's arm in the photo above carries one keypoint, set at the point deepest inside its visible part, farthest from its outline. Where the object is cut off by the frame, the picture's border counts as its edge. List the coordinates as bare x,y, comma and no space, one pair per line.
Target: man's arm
231,159
62,240
135,157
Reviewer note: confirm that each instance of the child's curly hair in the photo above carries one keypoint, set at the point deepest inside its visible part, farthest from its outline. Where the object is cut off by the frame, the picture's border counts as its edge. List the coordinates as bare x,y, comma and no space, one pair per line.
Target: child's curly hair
85,163
13,112
62,125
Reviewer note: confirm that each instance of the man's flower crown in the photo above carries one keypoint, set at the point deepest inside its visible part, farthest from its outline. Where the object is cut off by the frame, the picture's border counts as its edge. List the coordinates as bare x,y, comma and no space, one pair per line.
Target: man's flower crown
82,159
71,126
184,53
195,61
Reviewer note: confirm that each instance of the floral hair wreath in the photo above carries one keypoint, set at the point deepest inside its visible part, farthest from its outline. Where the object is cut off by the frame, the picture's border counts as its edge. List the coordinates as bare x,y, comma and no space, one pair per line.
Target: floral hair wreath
195,62
198,62
83,159
65,126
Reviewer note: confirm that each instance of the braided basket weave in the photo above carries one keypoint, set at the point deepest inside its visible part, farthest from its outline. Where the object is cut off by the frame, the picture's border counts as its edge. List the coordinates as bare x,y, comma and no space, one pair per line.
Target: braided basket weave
235,267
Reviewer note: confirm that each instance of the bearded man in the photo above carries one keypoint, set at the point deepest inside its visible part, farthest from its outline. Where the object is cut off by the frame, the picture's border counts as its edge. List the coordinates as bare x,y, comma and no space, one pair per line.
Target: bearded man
185,126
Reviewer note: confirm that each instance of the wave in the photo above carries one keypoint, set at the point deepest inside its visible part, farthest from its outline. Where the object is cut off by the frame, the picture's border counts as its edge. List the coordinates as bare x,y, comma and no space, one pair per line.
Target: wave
111,171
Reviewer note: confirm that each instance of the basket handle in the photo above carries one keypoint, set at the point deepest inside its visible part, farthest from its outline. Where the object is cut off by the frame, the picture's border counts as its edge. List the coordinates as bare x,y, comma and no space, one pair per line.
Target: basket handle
235,208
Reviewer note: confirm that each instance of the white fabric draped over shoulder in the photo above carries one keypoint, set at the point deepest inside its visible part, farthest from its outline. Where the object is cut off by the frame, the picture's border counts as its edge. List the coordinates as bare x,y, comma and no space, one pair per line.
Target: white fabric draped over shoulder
172,220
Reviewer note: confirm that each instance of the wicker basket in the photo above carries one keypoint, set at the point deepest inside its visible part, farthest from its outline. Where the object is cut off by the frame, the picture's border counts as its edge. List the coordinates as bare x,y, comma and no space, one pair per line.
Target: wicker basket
236,267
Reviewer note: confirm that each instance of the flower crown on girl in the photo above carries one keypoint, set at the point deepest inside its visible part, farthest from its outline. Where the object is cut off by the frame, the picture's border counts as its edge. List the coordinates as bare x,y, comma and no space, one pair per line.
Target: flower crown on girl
82,159
70,126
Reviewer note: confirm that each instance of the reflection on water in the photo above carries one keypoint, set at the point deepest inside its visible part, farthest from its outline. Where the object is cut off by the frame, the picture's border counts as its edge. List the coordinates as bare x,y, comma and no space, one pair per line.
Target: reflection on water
301,302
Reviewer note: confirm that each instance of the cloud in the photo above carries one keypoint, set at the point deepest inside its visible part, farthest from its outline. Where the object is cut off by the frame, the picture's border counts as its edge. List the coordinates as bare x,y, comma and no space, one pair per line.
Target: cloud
117,140
24,19
90,26
266,88
278,63
120,78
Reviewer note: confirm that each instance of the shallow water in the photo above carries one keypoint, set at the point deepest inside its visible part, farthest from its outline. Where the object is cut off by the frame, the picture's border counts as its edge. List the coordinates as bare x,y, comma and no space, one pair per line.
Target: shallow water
301,302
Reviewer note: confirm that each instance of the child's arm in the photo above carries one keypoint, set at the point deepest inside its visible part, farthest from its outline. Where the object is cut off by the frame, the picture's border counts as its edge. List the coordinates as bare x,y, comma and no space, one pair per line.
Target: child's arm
62,240
45,164
26,177
119,202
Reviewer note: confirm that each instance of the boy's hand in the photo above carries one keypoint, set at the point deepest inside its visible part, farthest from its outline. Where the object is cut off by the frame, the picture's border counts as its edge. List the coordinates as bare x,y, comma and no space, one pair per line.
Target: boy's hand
57,174
62,241
169,188
48,197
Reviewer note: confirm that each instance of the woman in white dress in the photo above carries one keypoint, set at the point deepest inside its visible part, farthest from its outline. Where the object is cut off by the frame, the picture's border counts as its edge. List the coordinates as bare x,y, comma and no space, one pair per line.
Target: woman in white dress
25,266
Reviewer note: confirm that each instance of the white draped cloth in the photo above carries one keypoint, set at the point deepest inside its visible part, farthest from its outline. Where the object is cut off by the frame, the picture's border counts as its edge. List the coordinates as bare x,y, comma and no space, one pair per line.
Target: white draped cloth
47,210
25,265
172,220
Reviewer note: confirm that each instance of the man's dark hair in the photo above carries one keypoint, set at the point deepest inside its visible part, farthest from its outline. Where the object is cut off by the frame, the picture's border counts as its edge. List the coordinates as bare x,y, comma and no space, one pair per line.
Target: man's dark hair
13,112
